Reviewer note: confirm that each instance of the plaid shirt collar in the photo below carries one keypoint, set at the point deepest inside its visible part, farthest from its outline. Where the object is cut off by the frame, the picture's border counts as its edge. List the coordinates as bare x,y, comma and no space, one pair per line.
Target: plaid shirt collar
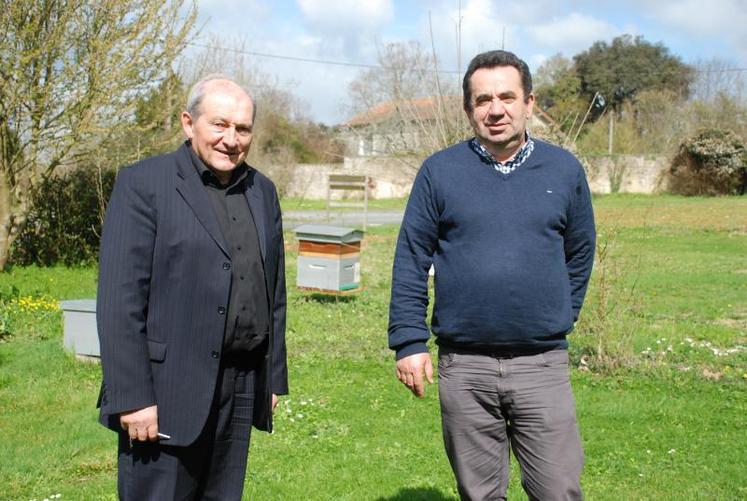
509,166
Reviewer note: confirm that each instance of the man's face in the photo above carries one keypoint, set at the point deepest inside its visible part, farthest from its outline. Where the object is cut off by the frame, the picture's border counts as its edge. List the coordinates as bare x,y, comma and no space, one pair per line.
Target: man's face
499,109
222,132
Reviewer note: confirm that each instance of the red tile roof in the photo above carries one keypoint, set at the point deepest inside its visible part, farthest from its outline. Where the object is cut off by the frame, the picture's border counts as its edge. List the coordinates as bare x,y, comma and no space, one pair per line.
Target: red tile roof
423,108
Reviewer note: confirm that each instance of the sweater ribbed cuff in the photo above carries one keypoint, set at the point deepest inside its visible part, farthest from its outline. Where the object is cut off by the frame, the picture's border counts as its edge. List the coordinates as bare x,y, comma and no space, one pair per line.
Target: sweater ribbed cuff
411,349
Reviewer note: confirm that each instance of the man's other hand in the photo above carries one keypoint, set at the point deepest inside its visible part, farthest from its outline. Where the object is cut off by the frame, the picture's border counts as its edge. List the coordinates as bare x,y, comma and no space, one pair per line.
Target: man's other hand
274,402
410,371
141,424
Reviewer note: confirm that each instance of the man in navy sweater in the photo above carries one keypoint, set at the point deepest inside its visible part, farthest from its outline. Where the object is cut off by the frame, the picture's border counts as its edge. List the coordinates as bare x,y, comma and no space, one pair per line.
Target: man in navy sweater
506,221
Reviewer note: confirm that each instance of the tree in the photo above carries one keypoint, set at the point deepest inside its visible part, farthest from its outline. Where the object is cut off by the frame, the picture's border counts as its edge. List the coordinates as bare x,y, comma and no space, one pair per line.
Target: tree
716,78
157,125
407,104
662,119
306,141
404,74
154,128
283,134
558,90
72,73
628,66
626,141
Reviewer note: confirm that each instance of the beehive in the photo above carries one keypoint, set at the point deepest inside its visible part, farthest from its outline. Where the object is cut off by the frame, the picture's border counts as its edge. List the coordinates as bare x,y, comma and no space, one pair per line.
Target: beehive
328,258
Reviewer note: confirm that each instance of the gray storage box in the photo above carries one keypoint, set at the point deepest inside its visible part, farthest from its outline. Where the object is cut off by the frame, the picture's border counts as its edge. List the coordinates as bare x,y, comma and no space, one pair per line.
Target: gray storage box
80,332
328,258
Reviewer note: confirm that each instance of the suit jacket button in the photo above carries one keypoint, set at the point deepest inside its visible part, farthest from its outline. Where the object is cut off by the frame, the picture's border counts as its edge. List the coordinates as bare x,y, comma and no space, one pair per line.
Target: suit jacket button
226,266
221,310
215,354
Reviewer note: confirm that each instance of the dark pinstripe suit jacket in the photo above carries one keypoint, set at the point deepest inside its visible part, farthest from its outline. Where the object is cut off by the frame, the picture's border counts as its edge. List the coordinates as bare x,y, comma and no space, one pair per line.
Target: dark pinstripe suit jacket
164,282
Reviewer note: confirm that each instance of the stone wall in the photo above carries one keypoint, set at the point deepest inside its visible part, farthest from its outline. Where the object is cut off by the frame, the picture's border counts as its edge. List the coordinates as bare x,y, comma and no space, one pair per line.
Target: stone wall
392,177
626,173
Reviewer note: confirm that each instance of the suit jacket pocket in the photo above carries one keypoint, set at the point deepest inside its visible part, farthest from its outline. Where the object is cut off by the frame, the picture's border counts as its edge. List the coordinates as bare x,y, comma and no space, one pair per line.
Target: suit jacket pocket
157,351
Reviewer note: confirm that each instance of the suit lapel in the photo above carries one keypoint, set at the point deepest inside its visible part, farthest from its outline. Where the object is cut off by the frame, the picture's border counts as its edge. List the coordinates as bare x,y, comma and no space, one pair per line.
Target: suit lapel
190,187
256,204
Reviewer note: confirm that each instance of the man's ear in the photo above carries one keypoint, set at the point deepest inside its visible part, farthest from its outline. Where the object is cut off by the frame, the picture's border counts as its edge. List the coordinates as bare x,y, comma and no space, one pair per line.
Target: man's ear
187,124
467,110
530,105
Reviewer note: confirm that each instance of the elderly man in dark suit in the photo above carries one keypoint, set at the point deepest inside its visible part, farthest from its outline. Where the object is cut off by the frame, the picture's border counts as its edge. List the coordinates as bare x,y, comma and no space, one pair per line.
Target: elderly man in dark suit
191,306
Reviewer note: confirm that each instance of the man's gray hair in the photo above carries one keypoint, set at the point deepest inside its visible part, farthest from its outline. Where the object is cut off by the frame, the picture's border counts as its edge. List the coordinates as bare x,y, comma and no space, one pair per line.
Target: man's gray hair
197,94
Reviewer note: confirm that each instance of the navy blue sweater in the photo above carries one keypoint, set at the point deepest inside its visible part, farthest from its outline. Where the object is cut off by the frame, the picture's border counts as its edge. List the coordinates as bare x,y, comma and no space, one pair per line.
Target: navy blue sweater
512,253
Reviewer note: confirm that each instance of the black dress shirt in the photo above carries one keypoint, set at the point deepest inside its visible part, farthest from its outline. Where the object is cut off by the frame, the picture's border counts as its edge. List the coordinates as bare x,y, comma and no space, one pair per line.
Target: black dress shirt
248,319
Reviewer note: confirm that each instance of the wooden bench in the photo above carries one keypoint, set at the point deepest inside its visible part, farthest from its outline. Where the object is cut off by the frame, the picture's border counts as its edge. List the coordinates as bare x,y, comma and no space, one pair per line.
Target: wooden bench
343,182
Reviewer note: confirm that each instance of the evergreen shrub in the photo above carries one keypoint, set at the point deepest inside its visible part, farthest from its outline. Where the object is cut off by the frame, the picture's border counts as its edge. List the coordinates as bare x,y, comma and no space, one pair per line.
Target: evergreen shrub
64,223
712,162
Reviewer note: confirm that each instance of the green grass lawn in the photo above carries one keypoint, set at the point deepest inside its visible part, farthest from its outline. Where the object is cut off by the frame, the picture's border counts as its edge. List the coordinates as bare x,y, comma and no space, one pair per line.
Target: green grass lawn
292,204
660,376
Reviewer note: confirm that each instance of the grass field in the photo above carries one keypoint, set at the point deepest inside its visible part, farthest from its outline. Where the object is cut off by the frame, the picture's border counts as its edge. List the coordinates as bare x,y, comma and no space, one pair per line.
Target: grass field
292,204
660,376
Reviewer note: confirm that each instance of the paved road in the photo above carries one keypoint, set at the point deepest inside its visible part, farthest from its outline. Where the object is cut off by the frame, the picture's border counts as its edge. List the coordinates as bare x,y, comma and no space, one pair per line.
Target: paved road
294,218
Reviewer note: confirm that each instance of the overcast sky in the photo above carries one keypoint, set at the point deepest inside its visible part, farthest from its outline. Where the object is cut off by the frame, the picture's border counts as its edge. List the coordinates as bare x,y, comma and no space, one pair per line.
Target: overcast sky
352,31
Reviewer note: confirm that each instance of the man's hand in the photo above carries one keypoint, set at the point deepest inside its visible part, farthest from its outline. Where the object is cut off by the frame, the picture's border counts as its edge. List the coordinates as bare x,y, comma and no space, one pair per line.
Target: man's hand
274,402
410,371
141,424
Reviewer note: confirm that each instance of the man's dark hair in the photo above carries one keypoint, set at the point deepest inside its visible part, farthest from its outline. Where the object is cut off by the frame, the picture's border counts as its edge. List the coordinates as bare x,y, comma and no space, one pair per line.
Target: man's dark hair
491,59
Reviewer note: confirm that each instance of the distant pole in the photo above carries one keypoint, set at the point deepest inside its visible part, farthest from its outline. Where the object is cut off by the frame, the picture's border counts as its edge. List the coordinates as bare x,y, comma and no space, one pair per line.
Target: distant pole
593,100
459,43
503,39
612,128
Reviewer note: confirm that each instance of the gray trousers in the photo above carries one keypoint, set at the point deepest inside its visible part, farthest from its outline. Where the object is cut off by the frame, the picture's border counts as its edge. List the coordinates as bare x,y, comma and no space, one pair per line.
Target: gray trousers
490,405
